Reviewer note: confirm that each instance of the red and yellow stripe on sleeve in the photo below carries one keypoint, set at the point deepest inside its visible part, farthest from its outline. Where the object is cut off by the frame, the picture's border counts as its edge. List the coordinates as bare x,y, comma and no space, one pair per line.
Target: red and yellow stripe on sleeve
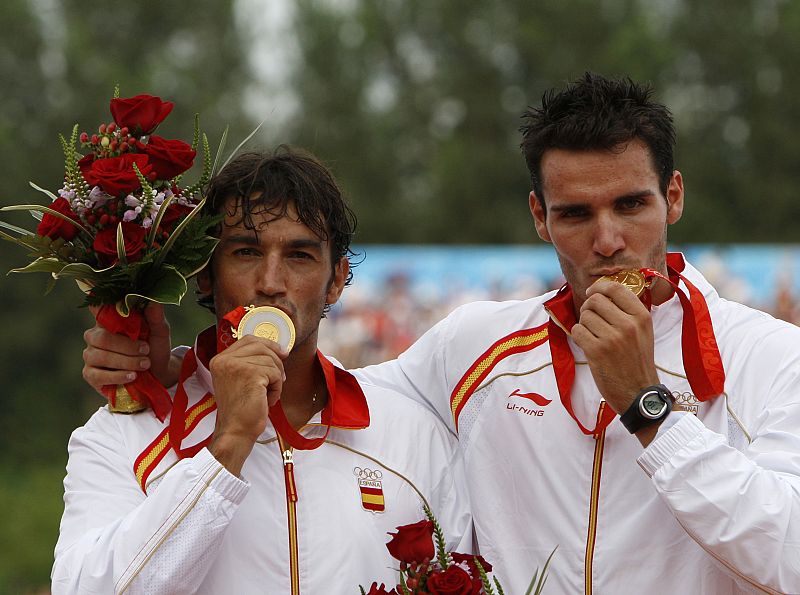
151,456
516,342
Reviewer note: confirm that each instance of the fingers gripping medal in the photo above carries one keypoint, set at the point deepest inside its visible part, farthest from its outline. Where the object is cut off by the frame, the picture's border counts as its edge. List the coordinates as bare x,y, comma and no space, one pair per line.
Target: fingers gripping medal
633,280
269,323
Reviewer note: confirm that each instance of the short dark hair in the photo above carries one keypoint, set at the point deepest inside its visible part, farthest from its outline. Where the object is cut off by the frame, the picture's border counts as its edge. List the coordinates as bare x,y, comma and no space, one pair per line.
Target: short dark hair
598,113
272,181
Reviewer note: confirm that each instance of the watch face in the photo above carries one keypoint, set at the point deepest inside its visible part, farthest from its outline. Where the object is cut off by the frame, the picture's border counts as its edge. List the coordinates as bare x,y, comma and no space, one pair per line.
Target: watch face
652,405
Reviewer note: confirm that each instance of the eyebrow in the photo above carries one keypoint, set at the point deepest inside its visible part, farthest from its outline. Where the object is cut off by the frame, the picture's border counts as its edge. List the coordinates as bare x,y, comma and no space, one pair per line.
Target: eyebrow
252,240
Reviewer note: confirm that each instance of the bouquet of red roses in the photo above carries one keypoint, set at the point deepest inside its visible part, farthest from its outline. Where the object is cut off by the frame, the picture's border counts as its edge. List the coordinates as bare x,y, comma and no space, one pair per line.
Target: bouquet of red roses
123,226
434,571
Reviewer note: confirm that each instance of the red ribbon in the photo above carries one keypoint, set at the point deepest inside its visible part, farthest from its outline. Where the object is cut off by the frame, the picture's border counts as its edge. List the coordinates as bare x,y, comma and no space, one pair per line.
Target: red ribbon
205,350
145,389
701,359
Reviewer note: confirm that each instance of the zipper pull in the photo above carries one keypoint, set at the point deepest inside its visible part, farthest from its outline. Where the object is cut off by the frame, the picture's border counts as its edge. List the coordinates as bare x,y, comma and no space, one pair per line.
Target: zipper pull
288,475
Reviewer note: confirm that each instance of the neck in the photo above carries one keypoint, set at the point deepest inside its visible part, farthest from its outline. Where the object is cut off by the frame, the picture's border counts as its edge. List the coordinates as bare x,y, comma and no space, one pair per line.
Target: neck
304,390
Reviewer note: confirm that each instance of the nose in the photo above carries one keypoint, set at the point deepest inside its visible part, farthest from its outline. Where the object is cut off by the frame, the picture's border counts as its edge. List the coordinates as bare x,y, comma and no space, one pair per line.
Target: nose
608,236
271,279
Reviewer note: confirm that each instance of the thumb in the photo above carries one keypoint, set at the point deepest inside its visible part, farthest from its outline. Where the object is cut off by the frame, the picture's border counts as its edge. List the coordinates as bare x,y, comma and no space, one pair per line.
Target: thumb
156,319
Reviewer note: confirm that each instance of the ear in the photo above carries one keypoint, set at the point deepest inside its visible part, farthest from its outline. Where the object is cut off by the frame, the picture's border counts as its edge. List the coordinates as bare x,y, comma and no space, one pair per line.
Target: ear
539,216
675,198
340,272
204,280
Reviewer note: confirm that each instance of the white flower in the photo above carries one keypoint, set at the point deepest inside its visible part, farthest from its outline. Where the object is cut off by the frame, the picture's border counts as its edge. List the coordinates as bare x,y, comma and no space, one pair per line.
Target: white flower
130,216
132,201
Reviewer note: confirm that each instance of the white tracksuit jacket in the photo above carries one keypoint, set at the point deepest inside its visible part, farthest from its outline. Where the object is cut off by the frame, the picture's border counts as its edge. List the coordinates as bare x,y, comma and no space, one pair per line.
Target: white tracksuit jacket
200,529
711,506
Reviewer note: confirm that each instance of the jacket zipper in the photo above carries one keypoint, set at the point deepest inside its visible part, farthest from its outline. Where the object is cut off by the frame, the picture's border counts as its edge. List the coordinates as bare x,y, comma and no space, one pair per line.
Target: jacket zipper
597,467
291,510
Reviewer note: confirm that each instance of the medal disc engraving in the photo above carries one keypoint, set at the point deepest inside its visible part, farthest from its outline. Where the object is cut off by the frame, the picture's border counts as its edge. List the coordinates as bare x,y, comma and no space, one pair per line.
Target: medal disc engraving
269,323
633,280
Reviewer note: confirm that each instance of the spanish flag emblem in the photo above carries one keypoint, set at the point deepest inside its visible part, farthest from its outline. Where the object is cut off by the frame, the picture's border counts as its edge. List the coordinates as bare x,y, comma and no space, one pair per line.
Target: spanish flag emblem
371,489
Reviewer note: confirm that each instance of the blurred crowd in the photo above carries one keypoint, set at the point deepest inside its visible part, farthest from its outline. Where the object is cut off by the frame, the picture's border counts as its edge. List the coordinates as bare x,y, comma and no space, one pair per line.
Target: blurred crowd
377,320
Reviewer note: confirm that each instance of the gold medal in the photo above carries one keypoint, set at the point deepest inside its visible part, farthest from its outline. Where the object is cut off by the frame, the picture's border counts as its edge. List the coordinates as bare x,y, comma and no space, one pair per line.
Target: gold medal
269,323
633,280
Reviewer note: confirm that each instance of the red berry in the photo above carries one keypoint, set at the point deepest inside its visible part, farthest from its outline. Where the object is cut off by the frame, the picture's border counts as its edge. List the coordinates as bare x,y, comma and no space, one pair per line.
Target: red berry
84,137
95,139
101,129
124,131
114,145
91,219
123,147
111,128
113,219
104,219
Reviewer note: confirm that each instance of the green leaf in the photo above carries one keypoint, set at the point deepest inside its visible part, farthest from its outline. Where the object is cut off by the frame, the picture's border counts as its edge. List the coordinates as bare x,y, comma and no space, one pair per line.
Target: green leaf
168,287
42,265
221,147
44,190
49,211
19,230
121,245
82,271
241,144
542,579
151,236
162,254
31,244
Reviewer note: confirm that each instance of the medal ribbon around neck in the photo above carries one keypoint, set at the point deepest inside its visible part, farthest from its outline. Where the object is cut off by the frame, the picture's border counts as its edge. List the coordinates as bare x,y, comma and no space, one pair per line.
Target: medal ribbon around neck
276,414
701,359
205,351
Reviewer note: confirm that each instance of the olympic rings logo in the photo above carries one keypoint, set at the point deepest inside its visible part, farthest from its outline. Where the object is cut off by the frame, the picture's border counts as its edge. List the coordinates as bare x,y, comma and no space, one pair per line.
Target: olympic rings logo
369,474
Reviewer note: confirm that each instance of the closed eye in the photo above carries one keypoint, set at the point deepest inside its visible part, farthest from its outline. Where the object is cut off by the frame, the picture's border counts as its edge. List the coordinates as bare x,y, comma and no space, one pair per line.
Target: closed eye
573,212
245,252
630,203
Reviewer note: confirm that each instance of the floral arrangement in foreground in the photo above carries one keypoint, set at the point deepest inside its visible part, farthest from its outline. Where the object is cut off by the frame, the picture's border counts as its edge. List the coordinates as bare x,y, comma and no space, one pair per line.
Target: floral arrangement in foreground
123,225
424,569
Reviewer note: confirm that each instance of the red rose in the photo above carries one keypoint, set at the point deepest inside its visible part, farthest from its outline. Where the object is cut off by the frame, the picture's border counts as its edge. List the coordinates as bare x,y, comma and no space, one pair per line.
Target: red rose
142,114
115,175
105,242
412,543
374,589
470,560
175,213
54,227
453,581
169,158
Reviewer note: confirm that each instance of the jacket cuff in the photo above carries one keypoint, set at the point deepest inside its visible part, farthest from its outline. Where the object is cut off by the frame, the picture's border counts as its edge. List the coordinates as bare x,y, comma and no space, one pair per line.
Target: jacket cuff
668,444
219,478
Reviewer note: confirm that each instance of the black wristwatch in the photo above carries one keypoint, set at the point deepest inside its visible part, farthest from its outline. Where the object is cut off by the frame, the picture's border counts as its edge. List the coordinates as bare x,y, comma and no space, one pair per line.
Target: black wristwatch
650,406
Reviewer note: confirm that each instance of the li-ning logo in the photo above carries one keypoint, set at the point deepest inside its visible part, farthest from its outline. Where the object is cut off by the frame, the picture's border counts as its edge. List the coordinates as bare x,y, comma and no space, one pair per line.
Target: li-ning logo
371,489
536,398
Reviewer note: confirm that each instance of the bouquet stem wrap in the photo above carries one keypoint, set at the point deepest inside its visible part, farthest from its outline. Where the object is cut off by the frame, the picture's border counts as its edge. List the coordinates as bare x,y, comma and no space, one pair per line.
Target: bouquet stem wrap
145,389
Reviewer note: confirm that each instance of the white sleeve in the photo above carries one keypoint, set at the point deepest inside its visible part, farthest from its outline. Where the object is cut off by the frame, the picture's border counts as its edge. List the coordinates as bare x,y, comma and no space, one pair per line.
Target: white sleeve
421,372
114,539
451,505
742,507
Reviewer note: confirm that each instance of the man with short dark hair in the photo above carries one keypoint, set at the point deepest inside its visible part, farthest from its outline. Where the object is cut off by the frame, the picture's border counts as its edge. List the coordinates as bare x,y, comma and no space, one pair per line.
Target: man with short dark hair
276,471
654,439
